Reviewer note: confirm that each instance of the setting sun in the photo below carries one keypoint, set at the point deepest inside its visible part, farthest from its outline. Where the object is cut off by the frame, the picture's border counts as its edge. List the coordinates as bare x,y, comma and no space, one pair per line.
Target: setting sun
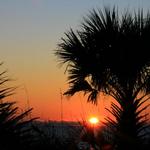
94,120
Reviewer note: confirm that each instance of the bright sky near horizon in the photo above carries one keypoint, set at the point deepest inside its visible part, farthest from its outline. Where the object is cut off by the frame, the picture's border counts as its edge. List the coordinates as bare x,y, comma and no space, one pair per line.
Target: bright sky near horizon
29,32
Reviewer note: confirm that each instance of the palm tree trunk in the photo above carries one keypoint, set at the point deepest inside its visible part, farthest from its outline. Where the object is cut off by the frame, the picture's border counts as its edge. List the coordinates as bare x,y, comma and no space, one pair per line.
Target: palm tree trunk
127,136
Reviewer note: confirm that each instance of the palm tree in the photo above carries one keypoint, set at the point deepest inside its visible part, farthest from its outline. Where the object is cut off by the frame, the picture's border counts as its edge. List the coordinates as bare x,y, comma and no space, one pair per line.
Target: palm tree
110,54
15,127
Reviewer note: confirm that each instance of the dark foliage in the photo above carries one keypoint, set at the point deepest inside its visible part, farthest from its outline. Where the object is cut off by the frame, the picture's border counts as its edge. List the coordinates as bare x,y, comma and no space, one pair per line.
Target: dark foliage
55,136
15,130
110,54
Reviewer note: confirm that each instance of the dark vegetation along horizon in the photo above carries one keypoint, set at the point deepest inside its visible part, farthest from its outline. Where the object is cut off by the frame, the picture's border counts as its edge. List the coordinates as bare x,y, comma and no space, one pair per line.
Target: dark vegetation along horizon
110,55
14,126
19,131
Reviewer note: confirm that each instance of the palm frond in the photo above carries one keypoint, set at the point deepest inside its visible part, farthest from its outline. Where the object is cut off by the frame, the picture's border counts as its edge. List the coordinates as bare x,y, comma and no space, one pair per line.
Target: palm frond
15,130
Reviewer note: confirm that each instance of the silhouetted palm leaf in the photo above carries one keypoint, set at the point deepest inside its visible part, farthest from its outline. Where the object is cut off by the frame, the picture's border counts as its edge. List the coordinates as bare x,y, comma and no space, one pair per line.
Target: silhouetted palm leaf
15,127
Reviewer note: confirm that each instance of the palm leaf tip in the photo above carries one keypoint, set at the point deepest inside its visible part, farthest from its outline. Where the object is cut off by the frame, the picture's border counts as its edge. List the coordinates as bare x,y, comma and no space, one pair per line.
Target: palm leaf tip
77,87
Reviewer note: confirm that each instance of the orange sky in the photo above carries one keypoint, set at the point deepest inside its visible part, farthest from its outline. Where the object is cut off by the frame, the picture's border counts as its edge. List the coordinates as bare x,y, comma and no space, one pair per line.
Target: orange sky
29,32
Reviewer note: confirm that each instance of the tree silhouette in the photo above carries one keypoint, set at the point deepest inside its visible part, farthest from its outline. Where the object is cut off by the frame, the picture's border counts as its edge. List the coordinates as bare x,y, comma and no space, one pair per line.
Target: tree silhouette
110,54
15,127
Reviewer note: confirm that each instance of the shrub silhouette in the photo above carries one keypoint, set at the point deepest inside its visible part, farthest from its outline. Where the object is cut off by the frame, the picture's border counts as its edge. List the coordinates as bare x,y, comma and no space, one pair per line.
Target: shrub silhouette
15,130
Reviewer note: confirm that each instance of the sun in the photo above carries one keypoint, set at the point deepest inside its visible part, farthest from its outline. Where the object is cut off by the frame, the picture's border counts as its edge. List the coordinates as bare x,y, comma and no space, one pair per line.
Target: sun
94,120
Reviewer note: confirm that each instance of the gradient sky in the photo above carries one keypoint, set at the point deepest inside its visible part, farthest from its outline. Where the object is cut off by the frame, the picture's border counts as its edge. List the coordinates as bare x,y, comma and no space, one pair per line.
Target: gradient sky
29,32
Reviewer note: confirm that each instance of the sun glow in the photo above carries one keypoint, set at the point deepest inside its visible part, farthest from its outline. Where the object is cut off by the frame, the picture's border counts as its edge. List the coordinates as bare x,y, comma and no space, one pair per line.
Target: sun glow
94,120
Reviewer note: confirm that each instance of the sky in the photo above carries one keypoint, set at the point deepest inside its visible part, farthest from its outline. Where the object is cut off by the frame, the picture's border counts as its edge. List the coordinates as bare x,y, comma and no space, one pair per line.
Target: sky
29,33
